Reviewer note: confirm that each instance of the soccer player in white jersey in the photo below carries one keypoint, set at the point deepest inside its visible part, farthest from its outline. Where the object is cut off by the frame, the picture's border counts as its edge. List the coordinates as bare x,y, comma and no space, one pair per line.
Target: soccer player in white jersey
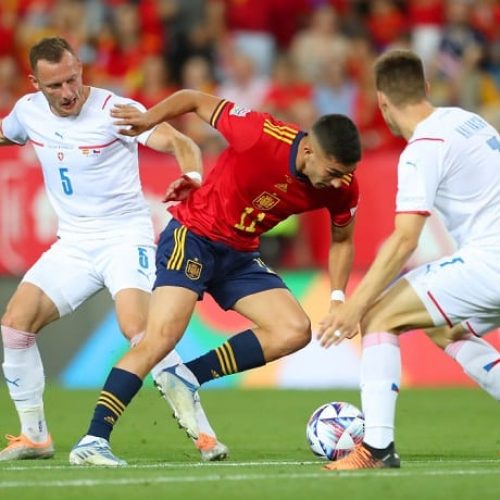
105,233
451,164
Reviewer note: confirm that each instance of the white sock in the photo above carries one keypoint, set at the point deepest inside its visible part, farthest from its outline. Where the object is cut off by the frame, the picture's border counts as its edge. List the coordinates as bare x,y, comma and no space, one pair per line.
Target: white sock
25,378
171,359
480,360
380,380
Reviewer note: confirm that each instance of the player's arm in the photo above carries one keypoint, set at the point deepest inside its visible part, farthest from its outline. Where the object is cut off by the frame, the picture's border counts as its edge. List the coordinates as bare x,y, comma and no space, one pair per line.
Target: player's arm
167,139
385,268
341,255
340,260
134,122
3,140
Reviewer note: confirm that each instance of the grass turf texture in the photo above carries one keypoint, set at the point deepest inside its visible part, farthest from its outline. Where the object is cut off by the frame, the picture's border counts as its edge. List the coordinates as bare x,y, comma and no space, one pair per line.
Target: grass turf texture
448,440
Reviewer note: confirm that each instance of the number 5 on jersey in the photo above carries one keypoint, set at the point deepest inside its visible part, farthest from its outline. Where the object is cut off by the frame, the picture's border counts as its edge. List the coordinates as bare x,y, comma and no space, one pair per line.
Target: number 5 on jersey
65,181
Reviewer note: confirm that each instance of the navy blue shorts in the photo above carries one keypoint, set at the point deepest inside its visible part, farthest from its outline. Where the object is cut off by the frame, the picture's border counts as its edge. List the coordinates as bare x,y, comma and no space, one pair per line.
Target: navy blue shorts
199,264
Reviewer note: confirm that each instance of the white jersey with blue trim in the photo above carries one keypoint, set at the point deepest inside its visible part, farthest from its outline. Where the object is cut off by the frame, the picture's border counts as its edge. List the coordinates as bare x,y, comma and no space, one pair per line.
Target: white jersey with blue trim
452,163
91,172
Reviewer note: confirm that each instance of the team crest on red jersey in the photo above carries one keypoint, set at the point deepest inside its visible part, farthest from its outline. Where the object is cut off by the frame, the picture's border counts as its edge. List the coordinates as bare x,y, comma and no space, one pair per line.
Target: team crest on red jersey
193,269
265,201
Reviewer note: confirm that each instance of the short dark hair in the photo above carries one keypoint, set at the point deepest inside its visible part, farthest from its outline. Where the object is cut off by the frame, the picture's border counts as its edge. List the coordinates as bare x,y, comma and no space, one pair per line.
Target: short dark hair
399,74
338,137
50,49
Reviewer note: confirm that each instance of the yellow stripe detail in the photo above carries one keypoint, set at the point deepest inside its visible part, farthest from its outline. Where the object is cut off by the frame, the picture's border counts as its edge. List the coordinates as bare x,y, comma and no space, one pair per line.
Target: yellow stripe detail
221,362
217,112
112,403
282,129
113,398
177,257
279,137
110,406
225,361
230,353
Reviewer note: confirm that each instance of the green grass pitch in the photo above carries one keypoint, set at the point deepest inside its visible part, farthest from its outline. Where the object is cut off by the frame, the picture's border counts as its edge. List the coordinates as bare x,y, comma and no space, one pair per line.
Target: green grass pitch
448,440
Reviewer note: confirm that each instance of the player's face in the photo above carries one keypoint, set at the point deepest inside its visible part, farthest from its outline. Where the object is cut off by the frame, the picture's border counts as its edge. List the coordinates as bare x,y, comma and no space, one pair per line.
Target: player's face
324,171
61,84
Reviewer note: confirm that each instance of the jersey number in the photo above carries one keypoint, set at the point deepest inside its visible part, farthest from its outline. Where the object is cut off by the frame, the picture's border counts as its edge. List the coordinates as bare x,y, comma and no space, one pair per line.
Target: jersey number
143,257
65,181
248,220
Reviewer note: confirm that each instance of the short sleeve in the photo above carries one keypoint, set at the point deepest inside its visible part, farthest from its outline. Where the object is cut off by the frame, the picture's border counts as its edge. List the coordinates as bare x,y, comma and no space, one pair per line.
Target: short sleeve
344,211
142,138
13,128
418,178
240,126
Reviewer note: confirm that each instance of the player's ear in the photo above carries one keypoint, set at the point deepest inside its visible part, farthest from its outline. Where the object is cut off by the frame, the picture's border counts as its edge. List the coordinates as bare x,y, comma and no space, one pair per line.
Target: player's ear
34,82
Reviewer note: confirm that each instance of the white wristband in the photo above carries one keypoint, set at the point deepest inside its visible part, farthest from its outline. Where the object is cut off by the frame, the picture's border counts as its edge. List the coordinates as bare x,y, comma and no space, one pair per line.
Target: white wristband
195,176
337,295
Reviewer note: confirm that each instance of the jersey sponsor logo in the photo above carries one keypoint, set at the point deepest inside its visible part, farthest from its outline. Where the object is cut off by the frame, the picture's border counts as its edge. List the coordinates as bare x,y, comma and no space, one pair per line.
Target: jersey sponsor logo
265,201
239,111
60,155
193,269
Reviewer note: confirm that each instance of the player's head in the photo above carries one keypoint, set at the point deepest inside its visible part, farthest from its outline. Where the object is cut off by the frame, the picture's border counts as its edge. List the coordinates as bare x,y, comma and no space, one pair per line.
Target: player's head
332,151
57,73
400,82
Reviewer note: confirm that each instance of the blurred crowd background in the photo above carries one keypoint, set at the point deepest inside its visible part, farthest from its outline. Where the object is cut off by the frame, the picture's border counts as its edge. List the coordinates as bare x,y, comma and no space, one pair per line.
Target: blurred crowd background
297,59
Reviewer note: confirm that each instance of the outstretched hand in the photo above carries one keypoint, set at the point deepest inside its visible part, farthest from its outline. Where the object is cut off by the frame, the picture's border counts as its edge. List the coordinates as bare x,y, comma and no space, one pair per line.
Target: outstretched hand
131,121
180,188
340,323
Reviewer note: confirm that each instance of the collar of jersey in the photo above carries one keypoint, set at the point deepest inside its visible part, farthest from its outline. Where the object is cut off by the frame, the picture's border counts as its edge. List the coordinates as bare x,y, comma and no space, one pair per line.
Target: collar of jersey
293,158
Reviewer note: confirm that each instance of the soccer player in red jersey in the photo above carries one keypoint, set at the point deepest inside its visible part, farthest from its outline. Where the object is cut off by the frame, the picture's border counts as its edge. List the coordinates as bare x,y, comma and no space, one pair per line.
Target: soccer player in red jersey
269,171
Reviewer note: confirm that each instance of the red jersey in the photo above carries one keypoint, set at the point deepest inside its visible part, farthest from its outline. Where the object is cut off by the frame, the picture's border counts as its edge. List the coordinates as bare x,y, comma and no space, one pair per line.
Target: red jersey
255,184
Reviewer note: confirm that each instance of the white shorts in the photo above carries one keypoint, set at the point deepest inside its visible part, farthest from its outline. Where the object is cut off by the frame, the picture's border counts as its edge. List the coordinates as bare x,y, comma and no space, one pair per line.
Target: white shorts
462,288
70,272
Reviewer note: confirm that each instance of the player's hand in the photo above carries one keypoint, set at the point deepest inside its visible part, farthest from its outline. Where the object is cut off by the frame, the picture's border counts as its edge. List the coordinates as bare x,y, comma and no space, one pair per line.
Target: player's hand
131,121
339,324
181,188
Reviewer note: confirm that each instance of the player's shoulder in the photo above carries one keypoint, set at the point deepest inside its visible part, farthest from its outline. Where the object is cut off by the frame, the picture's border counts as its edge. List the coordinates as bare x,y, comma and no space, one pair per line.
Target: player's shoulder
31,101
104,99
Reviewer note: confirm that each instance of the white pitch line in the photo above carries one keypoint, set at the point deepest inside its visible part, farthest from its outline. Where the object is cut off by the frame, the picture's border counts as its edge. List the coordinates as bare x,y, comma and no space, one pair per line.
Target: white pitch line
237,477
195,465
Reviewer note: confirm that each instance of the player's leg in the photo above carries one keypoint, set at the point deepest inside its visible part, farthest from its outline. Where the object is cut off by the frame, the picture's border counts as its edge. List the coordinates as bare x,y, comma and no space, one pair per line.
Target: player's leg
48,291
451,291
281,327
398,310
478,358
27,312
131,310
169,313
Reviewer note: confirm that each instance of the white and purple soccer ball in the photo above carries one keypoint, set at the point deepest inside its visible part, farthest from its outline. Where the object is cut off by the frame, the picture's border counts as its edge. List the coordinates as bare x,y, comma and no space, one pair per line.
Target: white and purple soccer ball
334,429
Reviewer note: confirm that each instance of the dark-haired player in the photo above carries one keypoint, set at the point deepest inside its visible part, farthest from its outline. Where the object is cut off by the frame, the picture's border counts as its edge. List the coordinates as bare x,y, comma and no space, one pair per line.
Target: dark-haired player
269,171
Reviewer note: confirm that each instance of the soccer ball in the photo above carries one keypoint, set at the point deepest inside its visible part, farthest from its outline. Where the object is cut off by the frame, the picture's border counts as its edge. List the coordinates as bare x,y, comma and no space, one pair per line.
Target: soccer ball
334,429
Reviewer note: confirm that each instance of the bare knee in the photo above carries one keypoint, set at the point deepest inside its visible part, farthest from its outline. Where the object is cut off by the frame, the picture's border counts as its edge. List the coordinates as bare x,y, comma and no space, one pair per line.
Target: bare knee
21,319
295,333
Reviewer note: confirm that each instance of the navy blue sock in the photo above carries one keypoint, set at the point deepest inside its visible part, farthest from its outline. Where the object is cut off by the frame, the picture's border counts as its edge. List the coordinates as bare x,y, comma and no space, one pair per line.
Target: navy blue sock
119,389
241,352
